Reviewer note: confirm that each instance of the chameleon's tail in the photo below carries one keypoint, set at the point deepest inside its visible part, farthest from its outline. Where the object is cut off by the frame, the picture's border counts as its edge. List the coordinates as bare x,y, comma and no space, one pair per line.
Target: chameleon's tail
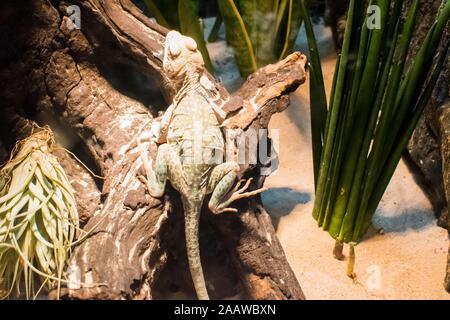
192,215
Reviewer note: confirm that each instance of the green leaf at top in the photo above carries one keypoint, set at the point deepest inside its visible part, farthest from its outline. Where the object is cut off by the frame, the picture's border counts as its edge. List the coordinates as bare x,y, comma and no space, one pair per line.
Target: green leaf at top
288,31
238,37
163,12
260,20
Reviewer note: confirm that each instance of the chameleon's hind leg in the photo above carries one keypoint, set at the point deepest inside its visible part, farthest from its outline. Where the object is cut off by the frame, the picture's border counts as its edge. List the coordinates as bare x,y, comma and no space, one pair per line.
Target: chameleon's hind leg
221,181
166,162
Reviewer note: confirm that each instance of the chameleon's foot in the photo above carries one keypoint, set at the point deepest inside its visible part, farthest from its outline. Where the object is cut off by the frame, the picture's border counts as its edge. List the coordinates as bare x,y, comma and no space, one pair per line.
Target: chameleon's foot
236,194
144,181
150,184
154,187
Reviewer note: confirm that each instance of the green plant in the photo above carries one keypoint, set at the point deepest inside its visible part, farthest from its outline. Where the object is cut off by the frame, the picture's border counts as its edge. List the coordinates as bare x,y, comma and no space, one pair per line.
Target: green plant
260,31
181,15
376,102
214,33
38,217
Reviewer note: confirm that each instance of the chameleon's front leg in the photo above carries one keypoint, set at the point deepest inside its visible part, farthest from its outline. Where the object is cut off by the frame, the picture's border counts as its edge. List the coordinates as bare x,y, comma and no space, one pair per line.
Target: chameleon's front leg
167,162
220,183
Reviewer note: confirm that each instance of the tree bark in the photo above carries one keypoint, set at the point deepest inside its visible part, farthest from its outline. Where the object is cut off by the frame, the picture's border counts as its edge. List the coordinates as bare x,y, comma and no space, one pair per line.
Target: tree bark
428,151
77,80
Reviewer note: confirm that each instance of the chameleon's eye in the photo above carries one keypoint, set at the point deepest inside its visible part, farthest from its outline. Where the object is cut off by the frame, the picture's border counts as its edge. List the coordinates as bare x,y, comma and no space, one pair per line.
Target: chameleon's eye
191,44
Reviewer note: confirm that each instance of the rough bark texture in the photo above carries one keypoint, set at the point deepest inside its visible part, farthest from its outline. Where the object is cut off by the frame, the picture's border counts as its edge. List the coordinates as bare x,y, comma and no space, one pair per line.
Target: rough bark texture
447,276
429,148
425,147
444,121
100,88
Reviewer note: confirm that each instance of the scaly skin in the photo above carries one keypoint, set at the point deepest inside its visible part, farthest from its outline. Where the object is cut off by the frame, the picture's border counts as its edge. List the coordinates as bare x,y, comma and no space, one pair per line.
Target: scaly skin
192,157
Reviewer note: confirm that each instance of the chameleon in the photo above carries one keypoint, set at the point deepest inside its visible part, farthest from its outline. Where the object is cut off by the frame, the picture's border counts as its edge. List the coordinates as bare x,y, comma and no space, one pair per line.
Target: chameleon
191,150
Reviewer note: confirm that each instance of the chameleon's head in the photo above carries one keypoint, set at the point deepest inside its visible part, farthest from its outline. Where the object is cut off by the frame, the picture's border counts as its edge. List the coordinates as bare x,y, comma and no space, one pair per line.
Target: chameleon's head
181,57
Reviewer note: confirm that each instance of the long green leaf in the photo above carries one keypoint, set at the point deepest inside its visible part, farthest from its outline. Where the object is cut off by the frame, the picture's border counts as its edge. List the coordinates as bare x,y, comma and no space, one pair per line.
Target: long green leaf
153,9
388,106
318,118
167,9
260,18
214,34
317,93
356,194
238,37
290,21
334,115
344,124
358,122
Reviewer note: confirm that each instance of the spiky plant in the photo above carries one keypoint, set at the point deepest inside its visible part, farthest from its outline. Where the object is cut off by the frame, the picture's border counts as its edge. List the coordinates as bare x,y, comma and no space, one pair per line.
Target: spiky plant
38,218
376,102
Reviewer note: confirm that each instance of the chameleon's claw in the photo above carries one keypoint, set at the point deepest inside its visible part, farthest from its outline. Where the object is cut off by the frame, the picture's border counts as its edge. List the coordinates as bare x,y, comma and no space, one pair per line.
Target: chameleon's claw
238,185
224,210
142,179
245,187
146,183
149,180
148,165
236,194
